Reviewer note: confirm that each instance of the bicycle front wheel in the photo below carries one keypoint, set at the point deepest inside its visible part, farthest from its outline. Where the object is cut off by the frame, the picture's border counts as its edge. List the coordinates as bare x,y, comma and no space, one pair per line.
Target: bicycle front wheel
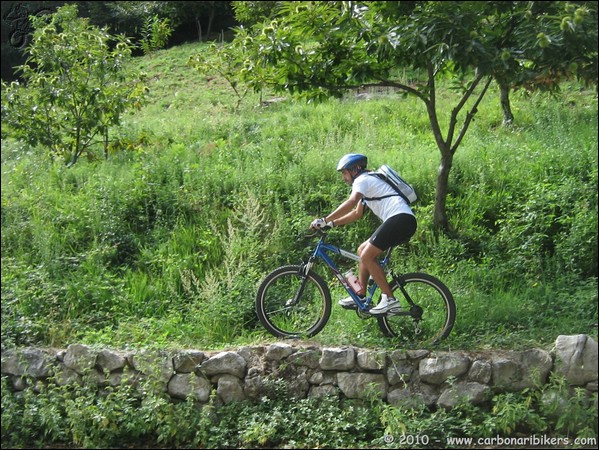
432,315
290,304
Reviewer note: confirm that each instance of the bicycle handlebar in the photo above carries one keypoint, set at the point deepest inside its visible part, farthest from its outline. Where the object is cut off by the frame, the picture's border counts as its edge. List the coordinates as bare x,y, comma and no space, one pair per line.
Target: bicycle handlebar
319,231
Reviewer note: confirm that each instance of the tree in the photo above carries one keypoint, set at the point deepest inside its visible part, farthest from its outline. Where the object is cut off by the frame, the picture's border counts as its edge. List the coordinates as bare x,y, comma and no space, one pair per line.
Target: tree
249,13
323,49
129,17
76,86
155,34
206,11
551,42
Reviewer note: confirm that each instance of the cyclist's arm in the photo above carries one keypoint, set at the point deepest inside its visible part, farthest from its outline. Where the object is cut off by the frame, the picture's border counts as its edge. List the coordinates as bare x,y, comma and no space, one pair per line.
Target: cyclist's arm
349,211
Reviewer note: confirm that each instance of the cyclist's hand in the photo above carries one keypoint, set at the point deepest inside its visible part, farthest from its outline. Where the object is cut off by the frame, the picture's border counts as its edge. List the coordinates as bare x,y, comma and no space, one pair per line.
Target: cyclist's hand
318,223
321,223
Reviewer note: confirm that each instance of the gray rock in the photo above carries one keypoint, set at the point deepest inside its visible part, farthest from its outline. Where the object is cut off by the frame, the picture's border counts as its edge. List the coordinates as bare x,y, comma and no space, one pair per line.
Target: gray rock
225,362
338,359
361,385
576,358
436,370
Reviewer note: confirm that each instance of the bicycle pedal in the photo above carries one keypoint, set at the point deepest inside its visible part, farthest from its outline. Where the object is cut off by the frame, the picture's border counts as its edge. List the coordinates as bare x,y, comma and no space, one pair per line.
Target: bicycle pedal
353,307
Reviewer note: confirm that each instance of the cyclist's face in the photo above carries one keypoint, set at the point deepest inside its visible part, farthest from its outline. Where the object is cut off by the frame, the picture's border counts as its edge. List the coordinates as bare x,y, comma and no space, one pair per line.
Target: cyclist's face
347,176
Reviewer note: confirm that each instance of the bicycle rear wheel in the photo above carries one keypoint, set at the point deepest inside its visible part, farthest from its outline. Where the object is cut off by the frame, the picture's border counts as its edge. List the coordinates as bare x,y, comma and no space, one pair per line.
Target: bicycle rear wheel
291,305
432,316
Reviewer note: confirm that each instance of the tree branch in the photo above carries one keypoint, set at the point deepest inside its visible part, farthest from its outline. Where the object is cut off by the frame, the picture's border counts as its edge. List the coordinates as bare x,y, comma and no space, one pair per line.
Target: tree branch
470,116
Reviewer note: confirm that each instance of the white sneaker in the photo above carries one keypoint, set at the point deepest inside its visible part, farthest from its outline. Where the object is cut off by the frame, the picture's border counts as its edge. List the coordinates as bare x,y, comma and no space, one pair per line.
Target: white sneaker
347,302
385,305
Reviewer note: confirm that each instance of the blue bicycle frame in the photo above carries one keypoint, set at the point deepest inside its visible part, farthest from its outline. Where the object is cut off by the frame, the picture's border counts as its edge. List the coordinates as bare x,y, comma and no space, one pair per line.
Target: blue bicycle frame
321,251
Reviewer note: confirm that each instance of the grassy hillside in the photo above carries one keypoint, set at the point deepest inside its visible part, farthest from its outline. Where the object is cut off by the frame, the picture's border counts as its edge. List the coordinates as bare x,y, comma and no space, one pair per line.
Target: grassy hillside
165,243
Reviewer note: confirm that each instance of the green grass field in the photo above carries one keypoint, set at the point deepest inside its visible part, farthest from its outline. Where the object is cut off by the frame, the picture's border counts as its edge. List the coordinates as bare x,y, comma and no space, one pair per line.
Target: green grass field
165,243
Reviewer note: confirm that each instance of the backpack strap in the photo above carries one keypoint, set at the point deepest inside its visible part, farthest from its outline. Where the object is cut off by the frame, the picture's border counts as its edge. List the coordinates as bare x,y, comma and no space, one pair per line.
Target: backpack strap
369,199
398,192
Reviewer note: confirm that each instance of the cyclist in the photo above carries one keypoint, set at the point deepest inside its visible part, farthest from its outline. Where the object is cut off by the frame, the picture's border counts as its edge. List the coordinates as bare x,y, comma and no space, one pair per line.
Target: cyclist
399,225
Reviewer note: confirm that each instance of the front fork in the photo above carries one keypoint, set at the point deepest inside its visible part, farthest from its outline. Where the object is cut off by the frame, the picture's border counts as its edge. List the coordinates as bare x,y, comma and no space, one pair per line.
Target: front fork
306,267
303,273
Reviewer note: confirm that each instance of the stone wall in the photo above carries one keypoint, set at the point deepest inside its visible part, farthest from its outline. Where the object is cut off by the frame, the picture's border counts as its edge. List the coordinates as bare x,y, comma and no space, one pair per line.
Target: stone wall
396,376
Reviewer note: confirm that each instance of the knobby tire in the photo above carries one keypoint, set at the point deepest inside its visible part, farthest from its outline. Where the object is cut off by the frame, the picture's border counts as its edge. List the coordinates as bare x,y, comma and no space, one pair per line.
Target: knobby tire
279,314
438,309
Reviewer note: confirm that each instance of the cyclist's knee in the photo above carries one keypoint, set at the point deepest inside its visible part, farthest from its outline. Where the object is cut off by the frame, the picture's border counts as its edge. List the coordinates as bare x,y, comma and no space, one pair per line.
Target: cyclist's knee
369,251
369,258
361,248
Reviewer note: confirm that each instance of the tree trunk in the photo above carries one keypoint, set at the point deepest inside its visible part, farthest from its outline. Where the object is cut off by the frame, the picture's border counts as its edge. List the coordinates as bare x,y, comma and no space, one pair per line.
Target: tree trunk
448,146
440,220
199,26
210,19
106,144
504,98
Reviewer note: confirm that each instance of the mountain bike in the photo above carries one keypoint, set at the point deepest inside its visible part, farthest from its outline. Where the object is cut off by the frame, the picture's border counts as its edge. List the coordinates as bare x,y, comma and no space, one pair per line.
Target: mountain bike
294,301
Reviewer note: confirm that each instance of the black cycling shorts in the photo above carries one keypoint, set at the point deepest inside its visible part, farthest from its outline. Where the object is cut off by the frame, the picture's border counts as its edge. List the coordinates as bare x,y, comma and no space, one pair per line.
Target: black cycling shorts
394,231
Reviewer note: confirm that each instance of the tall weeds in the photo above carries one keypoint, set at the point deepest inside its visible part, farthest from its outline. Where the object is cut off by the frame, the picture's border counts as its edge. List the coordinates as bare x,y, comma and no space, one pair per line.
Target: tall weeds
166,242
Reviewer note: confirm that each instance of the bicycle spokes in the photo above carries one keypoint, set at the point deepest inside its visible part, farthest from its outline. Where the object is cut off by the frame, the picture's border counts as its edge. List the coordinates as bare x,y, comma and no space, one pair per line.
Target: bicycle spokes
305,313
430,309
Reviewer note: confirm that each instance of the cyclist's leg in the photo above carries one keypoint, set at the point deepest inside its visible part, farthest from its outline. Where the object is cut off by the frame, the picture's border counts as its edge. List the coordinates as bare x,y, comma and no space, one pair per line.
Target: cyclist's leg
395,230
369,266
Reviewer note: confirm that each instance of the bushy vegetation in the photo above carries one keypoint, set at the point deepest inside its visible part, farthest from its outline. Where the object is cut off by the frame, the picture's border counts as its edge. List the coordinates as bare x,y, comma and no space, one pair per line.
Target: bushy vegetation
73,88
164,243
84,416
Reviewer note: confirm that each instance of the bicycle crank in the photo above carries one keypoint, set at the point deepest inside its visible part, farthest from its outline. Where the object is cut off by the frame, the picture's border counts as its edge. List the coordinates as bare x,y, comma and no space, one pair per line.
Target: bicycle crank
416,312
363,314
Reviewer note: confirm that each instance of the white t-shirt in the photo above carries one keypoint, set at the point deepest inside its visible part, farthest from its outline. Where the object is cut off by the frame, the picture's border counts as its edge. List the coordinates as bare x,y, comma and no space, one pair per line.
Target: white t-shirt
372,187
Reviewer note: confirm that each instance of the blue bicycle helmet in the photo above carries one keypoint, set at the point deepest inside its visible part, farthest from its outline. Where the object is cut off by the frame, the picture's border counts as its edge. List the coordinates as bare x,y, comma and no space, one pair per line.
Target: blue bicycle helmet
352,159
